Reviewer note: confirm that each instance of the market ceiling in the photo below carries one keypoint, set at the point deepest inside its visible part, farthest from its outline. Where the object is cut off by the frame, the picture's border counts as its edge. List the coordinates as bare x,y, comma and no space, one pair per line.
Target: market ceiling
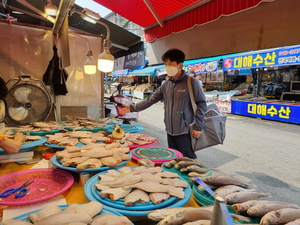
28,12
161,18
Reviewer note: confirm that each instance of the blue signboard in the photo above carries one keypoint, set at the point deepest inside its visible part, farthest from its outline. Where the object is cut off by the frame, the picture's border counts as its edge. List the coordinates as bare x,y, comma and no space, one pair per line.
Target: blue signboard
120,73
240,72
264,58
202,67
197,67
280,112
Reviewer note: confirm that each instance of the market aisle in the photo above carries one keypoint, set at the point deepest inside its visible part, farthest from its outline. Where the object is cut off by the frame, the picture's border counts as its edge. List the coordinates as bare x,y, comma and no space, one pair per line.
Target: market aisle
262,152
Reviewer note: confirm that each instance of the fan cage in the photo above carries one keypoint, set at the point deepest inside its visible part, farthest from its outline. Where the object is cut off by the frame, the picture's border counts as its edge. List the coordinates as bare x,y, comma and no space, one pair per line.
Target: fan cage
37,103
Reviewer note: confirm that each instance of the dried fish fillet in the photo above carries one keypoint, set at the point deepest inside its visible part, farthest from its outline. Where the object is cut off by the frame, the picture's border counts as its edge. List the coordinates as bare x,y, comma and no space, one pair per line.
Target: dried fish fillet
136,196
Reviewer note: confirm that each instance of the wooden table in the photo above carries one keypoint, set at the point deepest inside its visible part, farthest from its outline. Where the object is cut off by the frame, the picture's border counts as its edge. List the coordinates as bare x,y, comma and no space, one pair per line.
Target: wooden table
76,193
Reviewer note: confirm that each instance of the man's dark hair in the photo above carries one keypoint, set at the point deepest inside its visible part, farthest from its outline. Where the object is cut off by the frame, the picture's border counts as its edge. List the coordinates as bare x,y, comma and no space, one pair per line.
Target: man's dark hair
3,89
174,55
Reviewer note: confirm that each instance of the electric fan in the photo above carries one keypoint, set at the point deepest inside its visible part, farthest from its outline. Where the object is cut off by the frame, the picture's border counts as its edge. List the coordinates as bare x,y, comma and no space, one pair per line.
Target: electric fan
28,101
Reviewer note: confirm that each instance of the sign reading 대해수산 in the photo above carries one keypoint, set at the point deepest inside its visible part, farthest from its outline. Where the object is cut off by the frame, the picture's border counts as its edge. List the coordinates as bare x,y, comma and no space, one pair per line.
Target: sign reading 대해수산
267,58
280,112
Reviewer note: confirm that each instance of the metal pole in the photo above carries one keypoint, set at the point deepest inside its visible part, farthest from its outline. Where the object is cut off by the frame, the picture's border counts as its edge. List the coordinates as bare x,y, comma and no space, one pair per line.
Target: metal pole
220,215
102,114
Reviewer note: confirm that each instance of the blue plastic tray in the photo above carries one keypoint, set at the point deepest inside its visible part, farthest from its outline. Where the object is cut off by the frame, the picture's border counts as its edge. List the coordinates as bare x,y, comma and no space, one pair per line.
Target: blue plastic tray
79,144
94,130
42,133
103,168
28,147
93,195
24,217
177,203
120,203
127,128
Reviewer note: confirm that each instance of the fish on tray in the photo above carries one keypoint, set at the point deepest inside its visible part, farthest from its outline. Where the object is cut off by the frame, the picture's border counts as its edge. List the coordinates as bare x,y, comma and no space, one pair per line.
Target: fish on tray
175,191
74,161
228,189
151,170
89,163
136,196
190,215
69,142
87,141
148,187
167,174
197,169
280,216
97,153
123,180
111,161
220,180
151,177
158,197
109,219
262,208
243,196
175,182
295,222
65,155
114,193
110,175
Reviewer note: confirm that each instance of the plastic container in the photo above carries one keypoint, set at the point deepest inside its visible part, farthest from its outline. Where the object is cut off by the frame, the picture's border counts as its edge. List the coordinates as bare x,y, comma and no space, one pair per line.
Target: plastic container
56,163
47,183
28,147
90,193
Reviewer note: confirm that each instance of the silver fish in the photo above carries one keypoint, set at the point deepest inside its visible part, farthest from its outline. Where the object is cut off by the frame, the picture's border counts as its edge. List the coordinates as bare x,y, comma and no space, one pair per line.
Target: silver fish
280,216
262,208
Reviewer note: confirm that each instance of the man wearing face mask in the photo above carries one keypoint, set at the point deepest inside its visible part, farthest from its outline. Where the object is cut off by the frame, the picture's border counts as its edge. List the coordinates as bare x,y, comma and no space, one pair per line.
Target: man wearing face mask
178,108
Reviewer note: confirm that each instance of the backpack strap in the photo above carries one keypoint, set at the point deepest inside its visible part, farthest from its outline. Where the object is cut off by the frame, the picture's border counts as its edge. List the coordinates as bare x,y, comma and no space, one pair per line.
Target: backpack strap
191,93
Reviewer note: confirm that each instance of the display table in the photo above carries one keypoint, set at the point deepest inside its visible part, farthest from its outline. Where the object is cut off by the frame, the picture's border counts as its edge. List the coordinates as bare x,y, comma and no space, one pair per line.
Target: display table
76,193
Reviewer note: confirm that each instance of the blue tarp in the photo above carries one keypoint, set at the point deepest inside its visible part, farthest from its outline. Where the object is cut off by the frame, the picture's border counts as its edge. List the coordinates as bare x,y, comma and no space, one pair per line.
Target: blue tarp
147,71
120,72
160,69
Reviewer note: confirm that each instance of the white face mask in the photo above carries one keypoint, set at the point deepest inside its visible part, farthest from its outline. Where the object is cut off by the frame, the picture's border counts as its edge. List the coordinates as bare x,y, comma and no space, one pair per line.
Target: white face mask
171,70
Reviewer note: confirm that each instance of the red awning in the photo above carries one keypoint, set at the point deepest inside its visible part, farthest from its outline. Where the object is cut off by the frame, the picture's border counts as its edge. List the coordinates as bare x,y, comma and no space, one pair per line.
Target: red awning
161,18
148,13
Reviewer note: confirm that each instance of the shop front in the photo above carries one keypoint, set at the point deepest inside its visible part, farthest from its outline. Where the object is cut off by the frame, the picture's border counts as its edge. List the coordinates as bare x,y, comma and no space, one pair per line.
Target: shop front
276,75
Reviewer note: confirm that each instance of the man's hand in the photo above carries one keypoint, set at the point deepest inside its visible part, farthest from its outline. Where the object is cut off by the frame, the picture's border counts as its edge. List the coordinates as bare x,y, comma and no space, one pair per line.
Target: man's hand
196,133
19,137
125,110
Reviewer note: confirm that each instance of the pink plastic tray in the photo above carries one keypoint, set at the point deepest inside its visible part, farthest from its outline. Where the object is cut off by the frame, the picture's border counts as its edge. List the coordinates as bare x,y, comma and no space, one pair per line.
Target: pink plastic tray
160,162
140,146
47,183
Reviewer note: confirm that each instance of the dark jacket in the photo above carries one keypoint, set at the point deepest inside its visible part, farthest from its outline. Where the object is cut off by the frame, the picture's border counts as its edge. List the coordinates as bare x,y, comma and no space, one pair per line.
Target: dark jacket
178,108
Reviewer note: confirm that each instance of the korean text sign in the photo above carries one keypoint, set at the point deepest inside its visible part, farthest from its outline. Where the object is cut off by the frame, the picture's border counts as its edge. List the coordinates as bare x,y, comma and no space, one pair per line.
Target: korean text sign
280,112
277,57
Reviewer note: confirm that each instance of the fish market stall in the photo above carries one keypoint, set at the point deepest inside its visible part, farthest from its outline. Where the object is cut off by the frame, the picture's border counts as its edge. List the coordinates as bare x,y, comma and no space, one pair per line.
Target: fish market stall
143,90
222,99
128,90
136,190
74,195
